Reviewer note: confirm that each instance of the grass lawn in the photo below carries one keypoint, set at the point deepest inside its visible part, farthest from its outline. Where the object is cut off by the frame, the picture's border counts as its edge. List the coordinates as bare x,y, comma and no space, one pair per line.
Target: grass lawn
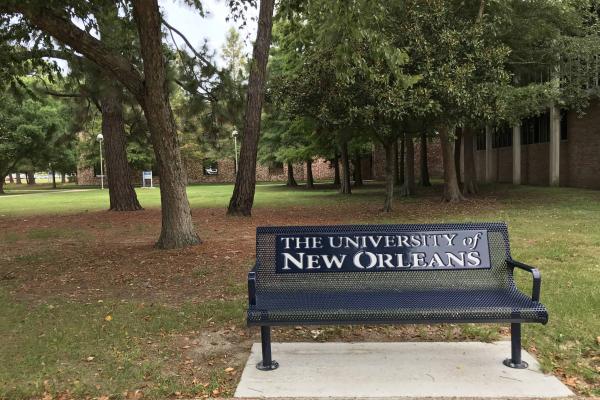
207,195
90,309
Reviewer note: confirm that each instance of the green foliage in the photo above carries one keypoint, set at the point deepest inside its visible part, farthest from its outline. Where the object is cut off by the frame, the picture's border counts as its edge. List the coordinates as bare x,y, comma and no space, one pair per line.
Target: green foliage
34,131
234,57
340,71
554,46
287,141
207,119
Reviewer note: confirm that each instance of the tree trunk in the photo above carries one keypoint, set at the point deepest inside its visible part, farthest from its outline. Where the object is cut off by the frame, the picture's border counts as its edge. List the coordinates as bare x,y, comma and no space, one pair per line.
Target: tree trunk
10,178
425,182
457,145
177,228
397,179
53,179
389,176
2,185
336,171
291,181
121,193
469,178
408,188
18,180
310,183
245,182
63,178
358,180
402,165
345,186
451,190
31,178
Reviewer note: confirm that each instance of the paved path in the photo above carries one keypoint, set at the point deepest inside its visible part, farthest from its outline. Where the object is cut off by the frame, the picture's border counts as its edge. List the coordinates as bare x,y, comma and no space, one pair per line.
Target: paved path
384,370
30,192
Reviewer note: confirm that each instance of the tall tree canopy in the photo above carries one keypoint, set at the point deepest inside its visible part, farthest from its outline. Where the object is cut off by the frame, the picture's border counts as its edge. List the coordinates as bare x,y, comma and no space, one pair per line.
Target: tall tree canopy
148,84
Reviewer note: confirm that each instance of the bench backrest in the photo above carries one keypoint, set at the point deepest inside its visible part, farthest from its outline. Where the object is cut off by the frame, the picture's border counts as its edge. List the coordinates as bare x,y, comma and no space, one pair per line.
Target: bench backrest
382,257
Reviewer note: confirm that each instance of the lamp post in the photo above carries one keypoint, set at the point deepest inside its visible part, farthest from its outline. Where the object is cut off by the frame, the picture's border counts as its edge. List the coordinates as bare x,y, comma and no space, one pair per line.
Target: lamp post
234,135
100,139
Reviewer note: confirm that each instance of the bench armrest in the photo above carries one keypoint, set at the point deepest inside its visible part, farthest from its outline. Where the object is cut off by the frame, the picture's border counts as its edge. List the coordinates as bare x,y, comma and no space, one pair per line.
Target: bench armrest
252,287
537,277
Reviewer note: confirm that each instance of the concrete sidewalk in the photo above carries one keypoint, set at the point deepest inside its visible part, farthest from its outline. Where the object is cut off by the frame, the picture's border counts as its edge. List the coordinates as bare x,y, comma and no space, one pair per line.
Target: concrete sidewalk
465,369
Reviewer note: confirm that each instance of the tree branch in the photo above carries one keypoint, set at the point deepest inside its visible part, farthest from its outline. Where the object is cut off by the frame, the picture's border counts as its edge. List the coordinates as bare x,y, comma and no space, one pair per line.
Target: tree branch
61,94
47,53
480,12
207,95
187,42
63,30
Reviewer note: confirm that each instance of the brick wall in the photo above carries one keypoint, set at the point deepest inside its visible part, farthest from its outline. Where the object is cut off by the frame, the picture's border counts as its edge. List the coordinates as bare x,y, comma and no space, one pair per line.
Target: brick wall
564,164
535,164
226,168
85,176
480,164
367,167
504,164
322,170
583,142
434,160
195,173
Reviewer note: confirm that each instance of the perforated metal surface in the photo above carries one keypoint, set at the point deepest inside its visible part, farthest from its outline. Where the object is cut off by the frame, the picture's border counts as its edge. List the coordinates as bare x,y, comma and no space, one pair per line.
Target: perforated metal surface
409,296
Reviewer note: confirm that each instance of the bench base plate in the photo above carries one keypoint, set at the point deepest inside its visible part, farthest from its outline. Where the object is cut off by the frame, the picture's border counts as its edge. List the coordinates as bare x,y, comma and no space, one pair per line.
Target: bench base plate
522,365
409,369
274,365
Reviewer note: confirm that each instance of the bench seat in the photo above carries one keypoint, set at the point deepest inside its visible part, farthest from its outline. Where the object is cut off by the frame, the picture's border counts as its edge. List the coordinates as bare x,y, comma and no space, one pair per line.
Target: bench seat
389,274
316,308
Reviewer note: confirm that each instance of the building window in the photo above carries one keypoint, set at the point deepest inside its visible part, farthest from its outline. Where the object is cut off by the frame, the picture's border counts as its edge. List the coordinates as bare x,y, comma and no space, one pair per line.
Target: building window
276,168
480,139
563,124
536,129
210,167
502,136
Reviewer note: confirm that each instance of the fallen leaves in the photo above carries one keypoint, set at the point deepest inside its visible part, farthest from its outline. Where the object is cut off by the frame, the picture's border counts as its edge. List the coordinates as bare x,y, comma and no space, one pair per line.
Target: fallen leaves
315,333
133,394
108,318
572,381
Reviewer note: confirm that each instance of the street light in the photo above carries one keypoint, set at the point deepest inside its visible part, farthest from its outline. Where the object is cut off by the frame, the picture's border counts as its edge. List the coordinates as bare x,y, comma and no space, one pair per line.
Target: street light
100,139
234,135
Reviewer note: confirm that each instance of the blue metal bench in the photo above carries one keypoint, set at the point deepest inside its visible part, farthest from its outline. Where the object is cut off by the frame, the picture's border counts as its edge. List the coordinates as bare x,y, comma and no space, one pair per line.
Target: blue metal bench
388,274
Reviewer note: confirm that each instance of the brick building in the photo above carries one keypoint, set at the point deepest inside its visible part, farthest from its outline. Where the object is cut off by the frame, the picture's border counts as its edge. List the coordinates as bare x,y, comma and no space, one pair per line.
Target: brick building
222,171
557,149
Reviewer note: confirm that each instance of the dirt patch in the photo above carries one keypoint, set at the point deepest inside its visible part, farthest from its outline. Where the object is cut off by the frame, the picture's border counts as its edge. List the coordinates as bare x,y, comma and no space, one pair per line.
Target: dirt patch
98,255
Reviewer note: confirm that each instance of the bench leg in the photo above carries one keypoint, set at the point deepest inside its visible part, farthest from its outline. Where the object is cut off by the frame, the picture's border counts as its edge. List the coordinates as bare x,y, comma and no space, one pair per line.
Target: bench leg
267,364
515,360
